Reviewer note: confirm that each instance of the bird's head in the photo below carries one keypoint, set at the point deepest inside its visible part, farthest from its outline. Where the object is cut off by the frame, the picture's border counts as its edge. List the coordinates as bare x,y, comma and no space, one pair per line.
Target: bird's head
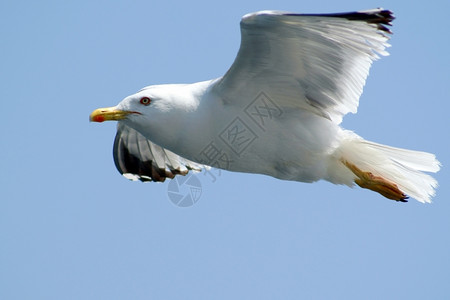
150,103
128,109
154,111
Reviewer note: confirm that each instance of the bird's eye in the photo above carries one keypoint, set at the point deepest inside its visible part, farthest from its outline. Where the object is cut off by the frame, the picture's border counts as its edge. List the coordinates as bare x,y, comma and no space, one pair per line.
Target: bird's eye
145,101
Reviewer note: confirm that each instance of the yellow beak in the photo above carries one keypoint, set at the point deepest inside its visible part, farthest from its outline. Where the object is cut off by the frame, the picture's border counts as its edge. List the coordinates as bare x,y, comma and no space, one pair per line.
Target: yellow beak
108,114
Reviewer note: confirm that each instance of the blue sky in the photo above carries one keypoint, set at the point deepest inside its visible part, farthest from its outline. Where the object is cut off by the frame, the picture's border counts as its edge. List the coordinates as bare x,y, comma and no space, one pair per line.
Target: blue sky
72,228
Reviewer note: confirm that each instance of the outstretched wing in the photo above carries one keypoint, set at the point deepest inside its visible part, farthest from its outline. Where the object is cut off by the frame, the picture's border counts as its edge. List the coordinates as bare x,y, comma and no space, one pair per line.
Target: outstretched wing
315,62
137,158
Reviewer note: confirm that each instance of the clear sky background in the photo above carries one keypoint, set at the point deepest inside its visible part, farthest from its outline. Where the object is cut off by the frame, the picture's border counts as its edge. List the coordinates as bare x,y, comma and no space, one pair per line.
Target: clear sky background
72,228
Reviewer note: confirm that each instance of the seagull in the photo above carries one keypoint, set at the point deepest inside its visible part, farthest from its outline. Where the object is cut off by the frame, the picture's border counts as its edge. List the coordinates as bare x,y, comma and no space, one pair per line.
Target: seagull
276,111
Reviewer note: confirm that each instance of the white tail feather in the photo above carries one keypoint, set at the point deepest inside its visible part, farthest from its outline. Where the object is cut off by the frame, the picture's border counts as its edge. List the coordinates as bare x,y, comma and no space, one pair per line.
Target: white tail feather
403,167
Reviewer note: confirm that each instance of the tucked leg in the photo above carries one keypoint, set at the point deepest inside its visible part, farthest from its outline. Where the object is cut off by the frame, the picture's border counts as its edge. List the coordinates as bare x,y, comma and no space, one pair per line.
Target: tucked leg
376,183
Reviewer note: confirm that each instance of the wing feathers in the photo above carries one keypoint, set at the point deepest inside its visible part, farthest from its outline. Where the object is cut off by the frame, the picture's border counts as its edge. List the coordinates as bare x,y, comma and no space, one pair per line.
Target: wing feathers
313,62
137,158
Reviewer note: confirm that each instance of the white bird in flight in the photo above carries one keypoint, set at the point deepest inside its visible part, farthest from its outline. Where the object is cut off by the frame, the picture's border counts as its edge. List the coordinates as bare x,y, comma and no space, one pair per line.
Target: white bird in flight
276,111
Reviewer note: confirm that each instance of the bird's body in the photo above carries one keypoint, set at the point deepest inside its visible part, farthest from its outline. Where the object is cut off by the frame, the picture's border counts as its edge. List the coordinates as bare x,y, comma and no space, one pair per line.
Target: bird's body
209,131
276,111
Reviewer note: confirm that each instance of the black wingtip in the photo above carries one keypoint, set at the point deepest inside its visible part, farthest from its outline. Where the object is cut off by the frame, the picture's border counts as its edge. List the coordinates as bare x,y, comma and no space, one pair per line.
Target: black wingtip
144,170
379,16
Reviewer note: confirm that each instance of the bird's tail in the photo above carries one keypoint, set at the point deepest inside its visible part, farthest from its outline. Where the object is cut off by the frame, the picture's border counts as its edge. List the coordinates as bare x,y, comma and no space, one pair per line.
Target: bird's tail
393,172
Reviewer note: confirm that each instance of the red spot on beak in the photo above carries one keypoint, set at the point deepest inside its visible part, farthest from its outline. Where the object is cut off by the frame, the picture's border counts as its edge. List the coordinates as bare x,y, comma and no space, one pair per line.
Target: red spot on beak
98,118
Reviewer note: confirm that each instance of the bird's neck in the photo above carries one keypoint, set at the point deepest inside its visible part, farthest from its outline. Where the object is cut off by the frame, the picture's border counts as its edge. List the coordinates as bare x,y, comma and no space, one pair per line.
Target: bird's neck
185,127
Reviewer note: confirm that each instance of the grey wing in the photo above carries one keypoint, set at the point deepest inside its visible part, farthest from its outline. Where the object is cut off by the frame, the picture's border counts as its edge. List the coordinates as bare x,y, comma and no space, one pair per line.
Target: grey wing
314,62
137,158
